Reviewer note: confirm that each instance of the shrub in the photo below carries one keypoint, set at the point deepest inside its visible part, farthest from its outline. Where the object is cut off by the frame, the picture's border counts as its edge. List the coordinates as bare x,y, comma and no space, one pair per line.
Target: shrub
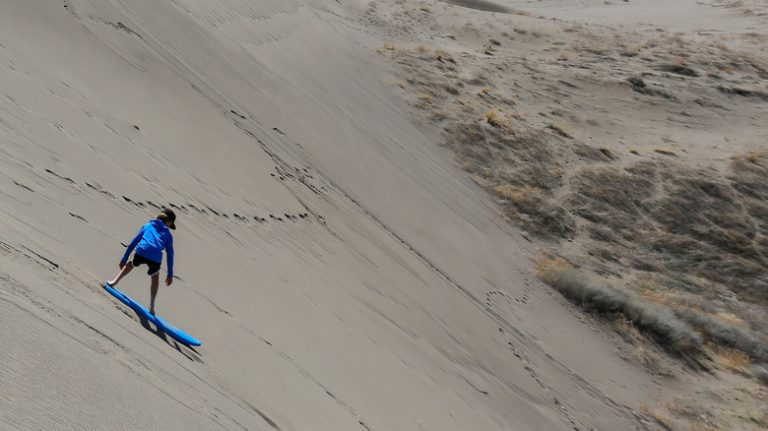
728,335
659,322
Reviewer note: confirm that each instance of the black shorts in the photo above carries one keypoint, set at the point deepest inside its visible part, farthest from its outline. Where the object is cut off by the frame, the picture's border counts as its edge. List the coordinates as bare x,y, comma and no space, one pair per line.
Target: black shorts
154,267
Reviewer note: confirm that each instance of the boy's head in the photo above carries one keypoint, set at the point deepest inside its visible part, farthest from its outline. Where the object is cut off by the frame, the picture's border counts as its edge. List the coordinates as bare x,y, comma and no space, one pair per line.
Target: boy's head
168,217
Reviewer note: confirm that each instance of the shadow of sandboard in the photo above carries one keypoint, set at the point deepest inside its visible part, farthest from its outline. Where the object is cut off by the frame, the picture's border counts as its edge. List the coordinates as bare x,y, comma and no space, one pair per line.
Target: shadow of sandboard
161,324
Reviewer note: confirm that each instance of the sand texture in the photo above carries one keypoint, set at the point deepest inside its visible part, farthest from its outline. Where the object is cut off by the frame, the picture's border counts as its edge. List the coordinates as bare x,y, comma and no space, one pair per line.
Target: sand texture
358,246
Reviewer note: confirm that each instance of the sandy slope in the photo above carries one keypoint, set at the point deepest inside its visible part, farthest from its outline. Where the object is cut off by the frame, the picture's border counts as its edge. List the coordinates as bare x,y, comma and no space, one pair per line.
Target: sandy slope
340,270
591,121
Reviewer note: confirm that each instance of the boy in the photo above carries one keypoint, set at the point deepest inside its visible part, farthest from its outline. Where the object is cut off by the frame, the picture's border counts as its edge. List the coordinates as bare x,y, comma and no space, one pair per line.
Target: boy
152,239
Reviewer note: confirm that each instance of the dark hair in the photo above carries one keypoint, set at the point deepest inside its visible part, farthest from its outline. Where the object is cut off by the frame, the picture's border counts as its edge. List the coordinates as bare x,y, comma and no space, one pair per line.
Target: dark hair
168,217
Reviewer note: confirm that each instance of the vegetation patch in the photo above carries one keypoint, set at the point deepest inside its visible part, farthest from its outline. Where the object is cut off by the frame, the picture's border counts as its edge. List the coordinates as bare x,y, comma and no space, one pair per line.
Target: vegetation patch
660,323
672,251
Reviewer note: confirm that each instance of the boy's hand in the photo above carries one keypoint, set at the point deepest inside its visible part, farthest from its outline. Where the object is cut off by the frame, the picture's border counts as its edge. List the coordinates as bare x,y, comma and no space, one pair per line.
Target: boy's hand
168,281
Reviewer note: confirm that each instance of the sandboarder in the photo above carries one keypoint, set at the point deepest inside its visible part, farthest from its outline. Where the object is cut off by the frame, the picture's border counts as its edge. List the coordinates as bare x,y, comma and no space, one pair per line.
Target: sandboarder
152,239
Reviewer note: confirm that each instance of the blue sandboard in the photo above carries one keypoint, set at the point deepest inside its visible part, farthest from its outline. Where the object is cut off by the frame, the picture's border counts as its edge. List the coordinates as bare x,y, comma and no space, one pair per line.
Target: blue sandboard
175,333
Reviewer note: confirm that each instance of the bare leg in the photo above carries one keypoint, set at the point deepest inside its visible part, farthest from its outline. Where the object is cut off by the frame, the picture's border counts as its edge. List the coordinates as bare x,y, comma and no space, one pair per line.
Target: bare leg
123,272
153,292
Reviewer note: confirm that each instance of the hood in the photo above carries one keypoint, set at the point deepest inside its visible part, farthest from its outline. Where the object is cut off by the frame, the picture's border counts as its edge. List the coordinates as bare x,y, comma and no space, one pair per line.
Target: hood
159,225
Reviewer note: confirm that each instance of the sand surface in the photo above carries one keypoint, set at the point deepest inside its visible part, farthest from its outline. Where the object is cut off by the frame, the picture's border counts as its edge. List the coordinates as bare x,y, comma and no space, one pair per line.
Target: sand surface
342,272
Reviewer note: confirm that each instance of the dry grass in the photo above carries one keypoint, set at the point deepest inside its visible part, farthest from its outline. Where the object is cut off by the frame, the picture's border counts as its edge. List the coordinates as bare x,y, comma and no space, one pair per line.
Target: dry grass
426,98
685,218
488,148
701,235
443,56
754,156
760,372
665,151
560,130
744,341
658,322
494,119
521,197
660,297
730,318
663,419
734,360
425,101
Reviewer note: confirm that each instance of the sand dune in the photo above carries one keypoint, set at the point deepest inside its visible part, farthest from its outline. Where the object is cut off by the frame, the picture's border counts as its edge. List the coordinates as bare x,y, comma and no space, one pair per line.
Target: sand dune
630,140
341,271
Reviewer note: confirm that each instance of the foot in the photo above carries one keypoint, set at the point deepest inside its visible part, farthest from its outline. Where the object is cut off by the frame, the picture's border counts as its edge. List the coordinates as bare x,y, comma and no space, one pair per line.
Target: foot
152,311
109,283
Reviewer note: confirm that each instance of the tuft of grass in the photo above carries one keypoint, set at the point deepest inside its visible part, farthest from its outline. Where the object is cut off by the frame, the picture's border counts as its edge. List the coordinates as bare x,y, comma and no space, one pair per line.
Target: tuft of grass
760,372
756,156
734,360
496,120
559,130
493,118
425,98
730,318
665,151
443,56
640,86
656,321
725,334
678,68
660,417
520,197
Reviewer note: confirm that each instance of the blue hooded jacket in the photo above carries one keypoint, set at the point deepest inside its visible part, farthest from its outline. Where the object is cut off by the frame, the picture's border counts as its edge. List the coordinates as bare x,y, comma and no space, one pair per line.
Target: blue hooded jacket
152,239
